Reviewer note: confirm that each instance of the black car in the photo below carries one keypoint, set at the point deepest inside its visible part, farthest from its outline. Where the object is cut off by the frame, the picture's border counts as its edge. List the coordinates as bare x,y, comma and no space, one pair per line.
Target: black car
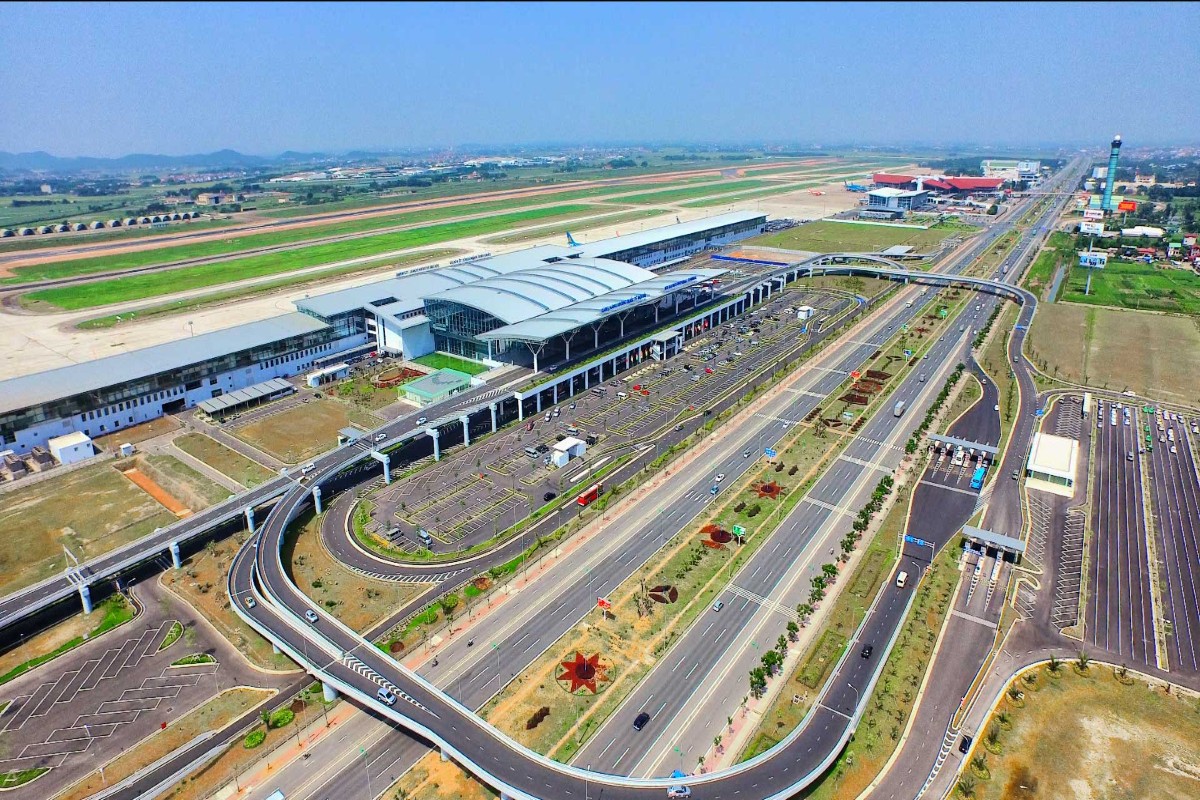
964,746
867,650
548,496
640,721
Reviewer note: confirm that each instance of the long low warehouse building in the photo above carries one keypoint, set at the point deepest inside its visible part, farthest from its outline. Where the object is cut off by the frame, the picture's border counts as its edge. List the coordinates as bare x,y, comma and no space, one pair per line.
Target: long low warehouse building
521,307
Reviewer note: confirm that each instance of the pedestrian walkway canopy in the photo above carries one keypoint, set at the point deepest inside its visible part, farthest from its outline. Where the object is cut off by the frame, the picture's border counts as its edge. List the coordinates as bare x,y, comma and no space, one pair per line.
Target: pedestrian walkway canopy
954,442
252,395
999,541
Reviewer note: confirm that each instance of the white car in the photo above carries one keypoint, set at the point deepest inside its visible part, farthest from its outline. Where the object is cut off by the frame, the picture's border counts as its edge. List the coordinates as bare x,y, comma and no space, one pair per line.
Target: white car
379,437
311,616
422,420
720,477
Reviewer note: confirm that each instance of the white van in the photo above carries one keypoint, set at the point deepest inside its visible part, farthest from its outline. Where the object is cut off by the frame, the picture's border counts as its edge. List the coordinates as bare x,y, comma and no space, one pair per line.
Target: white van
901,579
307,468
621,395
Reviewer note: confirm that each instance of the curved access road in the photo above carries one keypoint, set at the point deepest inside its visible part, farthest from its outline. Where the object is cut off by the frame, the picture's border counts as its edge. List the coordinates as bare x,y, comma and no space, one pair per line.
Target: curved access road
348,662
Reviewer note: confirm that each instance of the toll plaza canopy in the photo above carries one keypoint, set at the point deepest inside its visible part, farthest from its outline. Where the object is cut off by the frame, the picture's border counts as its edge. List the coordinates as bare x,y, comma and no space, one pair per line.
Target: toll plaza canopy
954,442
990,538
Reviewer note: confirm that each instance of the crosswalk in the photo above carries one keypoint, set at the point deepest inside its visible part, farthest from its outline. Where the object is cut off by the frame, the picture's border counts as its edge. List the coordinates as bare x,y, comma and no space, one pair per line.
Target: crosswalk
419,578
765,602
362,669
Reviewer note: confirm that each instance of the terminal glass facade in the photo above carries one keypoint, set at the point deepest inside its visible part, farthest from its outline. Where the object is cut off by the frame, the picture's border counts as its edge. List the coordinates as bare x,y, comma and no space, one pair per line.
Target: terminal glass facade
456,326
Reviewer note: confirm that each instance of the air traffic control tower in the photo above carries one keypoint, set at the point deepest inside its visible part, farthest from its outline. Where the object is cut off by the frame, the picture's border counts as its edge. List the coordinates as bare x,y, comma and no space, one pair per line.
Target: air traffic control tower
1113,155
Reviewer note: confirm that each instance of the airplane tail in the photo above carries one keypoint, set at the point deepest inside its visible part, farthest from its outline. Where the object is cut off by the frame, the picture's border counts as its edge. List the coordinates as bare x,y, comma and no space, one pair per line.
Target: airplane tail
571,241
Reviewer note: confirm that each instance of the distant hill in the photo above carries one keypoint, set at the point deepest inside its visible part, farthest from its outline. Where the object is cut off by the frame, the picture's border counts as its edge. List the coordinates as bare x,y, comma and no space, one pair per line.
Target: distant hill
45,162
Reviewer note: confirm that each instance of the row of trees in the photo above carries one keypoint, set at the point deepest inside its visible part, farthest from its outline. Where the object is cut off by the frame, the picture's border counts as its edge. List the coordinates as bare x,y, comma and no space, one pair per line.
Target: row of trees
772,660
915,440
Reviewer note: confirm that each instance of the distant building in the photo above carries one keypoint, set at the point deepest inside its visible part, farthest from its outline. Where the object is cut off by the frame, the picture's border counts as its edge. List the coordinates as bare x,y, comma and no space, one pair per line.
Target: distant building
1053,463
1144,180
217,198
47,188
1010,170
899,200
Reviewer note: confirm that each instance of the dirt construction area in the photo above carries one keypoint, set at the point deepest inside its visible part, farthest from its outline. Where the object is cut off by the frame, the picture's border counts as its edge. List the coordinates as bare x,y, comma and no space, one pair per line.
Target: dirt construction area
1152,354
89,511
299,431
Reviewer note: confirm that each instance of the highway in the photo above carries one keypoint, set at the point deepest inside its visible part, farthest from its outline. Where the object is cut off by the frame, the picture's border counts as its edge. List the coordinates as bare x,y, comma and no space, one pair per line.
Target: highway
350,669
345,659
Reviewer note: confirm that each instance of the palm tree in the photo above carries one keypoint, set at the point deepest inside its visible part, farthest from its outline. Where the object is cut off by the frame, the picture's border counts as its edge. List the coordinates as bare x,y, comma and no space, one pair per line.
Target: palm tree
979,762
1054,665
1082,661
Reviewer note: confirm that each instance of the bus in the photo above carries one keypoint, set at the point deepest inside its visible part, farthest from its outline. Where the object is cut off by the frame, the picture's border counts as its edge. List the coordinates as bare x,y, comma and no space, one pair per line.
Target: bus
977,480
590,494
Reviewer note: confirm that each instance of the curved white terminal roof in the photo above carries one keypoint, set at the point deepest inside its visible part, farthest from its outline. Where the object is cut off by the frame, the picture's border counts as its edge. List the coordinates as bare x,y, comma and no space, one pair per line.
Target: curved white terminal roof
523,294
587,312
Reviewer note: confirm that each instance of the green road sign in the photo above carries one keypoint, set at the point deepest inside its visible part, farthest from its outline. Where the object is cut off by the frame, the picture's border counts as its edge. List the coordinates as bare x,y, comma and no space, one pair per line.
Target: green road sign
942,312
738,530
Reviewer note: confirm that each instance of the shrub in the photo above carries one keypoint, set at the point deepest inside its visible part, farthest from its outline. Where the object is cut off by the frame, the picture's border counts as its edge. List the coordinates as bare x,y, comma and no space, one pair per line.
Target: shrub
254,738
281,717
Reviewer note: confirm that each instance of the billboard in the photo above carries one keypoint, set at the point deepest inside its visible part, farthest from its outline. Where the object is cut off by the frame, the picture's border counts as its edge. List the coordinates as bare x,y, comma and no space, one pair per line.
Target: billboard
1092,228
1126,205
1093,260
1093,213
1099,173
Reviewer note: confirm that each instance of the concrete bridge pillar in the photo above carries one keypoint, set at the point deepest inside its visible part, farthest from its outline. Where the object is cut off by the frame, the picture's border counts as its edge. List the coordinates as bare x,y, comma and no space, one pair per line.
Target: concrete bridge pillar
556,394
316,494
466,423
328,692
539,401
386,461
250,519
275,649
520,408
175,561
85,596
587,379
492,408
437,446
442,753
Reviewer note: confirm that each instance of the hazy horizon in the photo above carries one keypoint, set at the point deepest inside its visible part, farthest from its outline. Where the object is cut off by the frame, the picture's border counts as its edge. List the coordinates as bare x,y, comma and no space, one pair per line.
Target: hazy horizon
117,79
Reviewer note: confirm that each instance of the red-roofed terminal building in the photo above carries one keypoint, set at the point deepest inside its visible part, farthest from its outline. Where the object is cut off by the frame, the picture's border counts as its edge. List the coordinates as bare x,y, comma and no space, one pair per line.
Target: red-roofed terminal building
943,185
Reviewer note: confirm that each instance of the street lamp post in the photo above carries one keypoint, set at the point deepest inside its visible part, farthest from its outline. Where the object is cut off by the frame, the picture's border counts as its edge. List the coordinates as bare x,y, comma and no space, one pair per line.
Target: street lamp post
103,779
367,769
857,696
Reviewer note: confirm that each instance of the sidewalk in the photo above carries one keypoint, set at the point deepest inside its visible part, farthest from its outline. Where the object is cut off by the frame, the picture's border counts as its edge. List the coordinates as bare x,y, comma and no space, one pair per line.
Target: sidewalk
265,768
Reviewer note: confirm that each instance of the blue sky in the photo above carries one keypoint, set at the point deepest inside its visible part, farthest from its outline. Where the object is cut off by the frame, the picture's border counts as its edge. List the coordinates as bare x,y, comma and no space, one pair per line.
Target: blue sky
111,79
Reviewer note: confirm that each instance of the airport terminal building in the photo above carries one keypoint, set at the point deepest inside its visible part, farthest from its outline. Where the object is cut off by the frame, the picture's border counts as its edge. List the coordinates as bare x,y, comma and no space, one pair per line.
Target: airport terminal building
521,307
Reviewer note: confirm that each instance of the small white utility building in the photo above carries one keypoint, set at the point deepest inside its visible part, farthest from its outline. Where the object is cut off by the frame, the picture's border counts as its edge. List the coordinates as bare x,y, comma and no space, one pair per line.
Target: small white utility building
71,447
567,449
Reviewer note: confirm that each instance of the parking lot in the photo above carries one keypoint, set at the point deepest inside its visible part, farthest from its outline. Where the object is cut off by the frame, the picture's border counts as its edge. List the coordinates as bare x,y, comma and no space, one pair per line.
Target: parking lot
1119,615
476,492
1176,498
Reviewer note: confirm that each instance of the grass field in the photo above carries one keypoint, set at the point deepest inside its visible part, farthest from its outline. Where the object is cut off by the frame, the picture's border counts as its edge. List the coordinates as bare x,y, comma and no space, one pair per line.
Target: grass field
181,481
155,284
302,432
754,195
599,222
1040,274
1089,734
215,298
1138,286
447,361
1152,354
675,195
223,460
834,237
105,510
